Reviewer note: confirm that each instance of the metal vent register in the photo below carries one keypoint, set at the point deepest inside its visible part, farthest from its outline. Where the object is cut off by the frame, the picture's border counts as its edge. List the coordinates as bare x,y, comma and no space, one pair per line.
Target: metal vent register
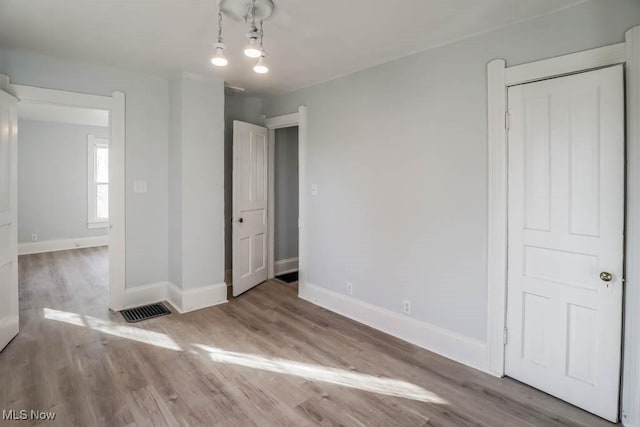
145,312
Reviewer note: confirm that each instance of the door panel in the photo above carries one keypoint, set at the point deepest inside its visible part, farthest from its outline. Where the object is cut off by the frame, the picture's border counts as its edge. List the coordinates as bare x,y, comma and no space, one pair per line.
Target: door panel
566,225
250,193
8,220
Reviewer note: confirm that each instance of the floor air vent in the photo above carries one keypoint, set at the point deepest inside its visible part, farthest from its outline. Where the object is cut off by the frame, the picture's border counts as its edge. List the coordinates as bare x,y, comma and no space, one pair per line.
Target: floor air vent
138,314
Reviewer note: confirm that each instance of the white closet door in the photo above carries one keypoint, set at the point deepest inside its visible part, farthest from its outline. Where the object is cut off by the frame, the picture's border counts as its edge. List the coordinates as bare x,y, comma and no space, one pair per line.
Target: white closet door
250,198
9,312
566,225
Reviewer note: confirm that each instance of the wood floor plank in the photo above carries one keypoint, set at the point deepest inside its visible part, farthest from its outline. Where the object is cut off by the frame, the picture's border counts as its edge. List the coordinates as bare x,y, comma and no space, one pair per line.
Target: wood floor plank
267,358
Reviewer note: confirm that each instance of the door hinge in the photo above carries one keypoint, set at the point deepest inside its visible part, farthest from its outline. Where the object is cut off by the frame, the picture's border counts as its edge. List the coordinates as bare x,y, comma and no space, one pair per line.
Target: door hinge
507,125
505,336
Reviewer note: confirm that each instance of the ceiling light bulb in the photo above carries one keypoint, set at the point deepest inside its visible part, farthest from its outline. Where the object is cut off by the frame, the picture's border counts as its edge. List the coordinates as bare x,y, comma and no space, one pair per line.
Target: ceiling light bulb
261,67
219,60
252,50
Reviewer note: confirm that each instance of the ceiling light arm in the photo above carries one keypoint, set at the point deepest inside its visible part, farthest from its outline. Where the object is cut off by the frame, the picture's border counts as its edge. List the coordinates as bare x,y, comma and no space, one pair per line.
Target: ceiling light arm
220,40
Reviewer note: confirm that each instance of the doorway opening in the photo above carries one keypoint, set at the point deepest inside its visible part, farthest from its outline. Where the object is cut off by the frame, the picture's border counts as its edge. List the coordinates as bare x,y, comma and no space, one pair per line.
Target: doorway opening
502,77
565,233
102,178
63,195
285,204
255,204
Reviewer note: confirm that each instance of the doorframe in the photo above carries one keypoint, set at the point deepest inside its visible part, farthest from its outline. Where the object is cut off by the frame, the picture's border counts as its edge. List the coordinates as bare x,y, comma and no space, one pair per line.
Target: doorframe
115,104
499,79
279,122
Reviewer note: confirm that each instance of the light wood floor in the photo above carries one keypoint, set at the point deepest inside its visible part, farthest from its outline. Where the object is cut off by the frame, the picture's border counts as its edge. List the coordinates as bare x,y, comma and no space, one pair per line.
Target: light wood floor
264,359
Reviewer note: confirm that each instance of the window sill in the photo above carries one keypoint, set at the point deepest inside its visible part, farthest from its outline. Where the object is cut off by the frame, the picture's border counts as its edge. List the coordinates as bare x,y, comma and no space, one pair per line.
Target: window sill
98,224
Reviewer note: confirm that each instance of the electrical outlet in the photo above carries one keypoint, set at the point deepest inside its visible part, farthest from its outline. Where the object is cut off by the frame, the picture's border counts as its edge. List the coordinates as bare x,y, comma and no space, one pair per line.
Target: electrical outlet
34,237
406,306
349,288
139,186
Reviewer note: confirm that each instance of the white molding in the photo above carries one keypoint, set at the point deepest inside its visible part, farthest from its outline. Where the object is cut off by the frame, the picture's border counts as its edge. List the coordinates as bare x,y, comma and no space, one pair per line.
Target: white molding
271,204
497,215
284,121
145,294
188,300
444,342
631,366
278,122
566,64
62,245
115,104
117,203
183,301
303,141
629,53
285,266
60,97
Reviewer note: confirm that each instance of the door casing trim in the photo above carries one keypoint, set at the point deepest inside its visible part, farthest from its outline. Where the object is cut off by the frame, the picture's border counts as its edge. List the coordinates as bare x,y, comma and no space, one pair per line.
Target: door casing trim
115,104
499,78
278,122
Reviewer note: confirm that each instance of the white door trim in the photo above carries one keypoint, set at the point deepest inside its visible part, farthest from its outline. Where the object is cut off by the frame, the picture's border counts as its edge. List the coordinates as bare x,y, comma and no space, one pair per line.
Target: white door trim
115,104
500,77
272,123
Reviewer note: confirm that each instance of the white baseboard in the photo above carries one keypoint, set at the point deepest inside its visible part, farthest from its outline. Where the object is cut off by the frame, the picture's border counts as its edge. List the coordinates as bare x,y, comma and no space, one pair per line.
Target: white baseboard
444,342
146,294
62,245
182,301
188,300
285,266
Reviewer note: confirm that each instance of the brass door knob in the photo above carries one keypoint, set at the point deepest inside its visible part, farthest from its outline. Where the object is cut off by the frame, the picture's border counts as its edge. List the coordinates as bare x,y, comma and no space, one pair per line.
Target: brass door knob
606,277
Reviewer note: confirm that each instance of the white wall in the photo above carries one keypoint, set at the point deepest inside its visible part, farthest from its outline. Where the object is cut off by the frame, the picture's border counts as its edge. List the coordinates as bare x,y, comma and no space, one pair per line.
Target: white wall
147,114
399,154
286,193
52,180
196,166
175,182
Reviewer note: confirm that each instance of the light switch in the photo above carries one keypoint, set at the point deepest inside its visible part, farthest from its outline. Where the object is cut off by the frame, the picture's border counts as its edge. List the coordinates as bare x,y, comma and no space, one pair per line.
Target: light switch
139,186
314,190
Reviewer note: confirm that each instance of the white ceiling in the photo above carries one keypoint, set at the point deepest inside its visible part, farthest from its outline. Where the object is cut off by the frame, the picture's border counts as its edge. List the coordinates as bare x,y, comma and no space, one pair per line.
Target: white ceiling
62,114
308,41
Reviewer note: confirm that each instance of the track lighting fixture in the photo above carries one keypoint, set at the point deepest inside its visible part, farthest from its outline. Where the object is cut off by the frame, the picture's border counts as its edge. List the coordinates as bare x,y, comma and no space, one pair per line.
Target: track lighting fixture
247,11
252,49
219,60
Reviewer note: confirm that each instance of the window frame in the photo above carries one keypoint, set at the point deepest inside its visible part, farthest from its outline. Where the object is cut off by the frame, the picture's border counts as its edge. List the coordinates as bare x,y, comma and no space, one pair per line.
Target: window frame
93,143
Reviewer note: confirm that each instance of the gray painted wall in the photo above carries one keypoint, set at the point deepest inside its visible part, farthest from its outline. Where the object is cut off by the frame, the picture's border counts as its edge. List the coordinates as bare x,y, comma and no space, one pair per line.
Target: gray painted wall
399,154
196,191
245,109
147,114
175,182
52,180
286,193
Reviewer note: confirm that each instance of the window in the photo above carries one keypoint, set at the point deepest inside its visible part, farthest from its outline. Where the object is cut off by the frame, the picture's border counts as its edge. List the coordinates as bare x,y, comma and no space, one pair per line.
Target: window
98,149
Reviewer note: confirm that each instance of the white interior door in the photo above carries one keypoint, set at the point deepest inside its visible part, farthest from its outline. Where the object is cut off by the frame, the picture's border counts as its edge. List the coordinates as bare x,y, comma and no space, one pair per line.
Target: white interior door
8,219
250,198
566,225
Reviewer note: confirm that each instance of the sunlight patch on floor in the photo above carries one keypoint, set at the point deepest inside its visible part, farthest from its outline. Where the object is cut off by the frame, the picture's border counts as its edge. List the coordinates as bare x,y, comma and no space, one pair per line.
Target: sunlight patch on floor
341,377
123,331
386,386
